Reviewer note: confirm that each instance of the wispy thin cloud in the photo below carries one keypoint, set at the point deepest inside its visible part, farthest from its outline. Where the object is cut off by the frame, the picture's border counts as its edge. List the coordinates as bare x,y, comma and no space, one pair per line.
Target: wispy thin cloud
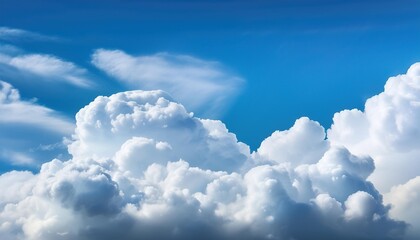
14,34
24,125
49,68
201,85
45,66
16,110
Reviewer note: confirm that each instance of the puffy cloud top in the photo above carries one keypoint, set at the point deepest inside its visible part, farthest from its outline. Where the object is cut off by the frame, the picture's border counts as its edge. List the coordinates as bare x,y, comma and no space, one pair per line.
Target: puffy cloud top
130,123
388,130
304,143
144,167
389,121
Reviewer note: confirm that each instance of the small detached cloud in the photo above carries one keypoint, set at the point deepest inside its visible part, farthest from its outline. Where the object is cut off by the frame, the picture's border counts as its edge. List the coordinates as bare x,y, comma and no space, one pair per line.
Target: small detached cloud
48,68
143,166
14,34
203,86
27,112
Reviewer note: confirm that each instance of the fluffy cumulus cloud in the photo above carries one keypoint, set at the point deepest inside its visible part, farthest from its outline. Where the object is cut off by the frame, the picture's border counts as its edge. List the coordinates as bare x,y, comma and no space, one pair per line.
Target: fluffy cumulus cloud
388,130
131,123
203,86
22,120
285,145
142,166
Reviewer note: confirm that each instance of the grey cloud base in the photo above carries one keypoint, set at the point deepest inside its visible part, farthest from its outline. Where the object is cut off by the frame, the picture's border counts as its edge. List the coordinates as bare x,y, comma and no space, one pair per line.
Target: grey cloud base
145,168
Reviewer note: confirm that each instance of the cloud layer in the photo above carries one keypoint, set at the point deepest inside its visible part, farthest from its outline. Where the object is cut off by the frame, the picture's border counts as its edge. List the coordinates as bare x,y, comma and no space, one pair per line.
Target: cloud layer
203,86
143,166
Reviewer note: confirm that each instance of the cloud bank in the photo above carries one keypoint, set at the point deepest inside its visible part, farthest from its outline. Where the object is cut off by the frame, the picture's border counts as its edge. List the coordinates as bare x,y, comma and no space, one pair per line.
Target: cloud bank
203,86
143,166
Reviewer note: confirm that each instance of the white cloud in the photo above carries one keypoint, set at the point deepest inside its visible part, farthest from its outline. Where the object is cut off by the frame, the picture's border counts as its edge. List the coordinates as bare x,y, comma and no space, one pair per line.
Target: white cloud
389,131
39,66
304,143
405,199
26,127
143,166
14,34
48,67
25,112
25,123
16,158
150,122
203,86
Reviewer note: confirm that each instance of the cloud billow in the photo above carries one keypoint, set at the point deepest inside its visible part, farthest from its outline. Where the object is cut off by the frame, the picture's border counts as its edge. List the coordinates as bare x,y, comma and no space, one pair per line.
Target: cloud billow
388,130
144,167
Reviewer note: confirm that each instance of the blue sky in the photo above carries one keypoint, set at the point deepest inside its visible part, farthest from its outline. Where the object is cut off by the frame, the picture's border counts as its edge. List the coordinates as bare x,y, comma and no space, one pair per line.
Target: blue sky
112,156
299,58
